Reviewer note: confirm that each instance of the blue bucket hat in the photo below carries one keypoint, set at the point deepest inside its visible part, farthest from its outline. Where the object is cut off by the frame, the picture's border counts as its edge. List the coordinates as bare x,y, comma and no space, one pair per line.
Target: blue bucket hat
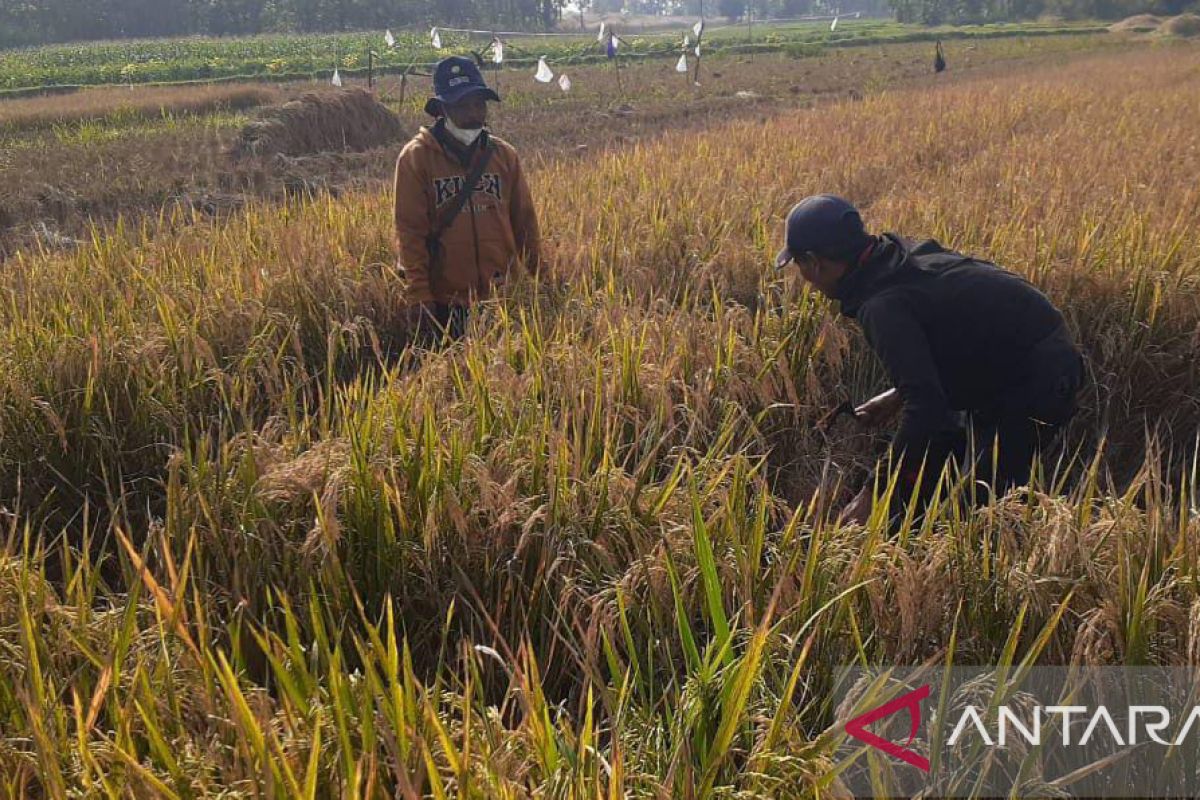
826,225
453,79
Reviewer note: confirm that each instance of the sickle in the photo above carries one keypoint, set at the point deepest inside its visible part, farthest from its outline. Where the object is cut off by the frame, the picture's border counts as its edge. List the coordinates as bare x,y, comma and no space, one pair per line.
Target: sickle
827,421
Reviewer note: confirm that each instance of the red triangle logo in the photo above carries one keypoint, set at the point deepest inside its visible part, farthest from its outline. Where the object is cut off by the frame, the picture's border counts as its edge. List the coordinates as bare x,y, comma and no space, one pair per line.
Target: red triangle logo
857,727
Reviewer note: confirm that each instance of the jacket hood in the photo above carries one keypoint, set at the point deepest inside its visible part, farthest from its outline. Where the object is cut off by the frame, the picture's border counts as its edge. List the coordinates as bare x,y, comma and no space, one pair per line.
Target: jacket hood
861,282
425,136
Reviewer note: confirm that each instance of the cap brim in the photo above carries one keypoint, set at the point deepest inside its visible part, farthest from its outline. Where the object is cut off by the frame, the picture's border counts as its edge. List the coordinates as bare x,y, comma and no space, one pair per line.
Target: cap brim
433,106
783,258
456,95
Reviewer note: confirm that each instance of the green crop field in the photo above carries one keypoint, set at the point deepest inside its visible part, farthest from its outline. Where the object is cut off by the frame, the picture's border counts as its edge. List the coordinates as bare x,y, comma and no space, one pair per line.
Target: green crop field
294,56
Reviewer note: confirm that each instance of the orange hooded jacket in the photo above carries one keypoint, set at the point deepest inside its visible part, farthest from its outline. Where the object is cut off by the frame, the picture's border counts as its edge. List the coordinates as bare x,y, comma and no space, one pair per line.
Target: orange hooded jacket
494,233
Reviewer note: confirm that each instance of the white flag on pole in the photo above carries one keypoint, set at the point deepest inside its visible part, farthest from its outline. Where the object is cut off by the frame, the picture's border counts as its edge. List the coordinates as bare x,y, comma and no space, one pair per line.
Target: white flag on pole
833,25
391,40
698,28
697,49
497,51
681,65
435,38
564,83
543,74
603,30
337,78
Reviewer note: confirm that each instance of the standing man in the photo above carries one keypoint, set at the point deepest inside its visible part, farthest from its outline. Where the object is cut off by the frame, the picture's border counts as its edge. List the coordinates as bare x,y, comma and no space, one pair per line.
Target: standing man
464,215
955,334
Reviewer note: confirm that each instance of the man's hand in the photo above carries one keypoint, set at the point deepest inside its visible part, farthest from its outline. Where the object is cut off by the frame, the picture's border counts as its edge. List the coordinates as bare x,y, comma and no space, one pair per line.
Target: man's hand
859,509
880,409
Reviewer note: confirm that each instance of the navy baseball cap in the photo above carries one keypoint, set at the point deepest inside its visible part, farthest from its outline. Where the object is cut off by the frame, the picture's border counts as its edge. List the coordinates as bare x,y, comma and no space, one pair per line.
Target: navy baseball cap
826,225
453,79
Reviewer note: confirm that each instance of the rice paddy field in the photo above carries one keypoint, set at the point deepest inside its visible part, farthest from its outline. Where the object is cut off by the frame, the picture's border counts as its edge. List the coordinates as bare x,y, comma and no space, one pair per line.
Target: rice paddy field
71,161
246,550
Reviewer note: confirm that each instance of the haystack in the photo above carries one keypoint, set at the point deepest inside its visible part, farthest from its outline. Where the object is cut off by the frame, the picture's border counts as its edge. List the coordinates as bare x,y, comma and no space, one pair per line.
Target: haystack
1142,23
319,122
1185,25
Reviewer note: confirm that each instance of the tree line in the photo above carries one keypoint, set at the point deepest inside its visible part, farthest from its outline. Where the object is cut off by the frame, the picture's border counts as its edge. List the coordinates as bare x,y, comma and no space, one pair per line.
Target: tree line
938,12
42,21
27,22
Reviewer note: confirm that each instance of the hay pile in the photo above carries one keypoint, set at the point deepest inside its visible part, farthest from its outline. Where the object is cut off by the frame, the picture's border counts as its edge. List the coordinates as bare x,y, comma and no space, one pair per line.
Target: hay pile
319,122
1185,25
1142,23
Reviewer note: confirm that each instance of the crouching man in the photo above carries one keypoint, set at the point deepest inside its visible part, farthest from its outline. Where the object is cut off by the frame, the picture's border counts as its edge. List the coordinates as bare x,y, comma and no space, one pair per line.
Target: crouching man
955,334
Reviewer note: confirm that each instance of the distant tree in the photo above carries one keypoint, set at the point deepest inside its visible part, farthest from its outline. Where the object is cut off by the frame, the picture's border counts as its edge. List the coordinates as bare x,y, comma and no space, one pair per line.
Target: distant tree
906,10
232,17
795,8
733,9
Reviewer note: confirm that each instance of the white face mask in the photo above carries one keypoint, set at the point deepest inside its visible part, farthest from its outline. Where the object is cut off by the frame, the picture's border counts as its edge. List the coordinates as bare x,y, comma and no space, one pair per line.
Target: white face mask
465,135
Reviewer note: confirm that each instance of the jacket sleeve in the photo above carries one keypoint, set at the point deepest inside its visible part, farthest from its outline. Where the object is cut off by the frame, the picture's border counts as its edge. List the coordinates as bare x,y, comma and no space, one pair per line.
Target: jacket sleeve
897,338
412,227
524,220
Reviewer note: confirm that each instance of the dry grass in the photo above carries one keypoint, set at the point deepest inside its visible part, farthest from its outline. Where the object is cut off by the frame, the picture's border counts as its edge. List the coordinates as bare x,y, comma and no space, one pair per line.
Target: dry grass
1183,26
330,121
1140,23
116,105
573,555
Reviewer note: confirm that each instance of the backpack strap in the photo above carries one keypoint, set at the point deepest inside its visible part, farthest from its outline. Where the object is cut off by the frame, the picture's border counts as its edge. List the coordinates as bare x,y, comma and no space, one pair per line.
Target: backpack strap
464,196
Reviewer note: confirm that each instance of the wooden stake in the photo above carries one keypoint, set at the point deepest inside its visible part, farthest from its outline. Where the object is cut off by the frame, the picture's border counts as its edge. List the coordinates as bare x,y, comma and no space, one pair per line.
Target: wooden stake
616,59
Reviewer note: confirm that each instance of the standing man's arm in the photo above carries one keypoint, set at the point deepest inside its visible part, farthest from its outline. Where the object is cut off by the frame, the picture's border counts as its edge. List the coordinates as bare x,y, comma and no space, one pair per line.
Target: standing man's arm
412,228
524,220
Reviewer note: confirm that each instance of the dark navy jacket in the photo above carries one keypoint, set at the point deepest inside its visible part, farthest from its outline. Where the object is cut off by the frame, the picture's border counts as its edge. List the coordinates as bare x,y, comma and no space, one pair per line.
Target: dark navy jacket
953,332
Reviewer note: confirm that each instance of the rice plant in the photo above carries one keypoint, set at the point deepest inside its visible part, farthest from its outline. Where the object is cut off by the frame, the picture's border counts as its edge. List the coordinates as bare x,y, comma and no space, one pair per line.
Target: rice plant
249,549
